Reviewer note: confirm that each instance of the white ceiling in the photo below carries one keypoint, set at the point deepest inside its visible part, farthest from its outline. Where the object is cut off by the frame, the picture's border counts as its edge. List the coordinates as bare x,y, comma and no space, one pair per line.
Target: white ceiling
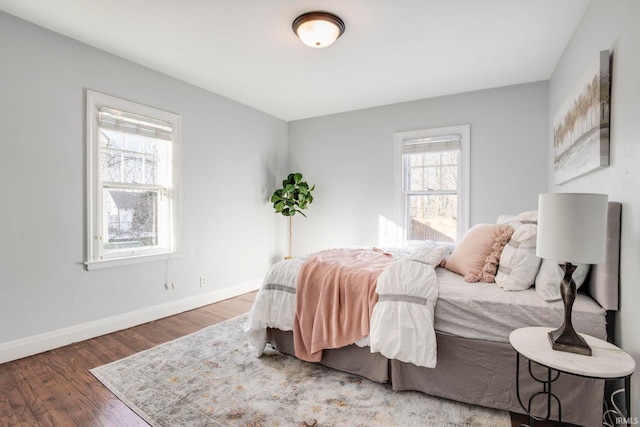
392,50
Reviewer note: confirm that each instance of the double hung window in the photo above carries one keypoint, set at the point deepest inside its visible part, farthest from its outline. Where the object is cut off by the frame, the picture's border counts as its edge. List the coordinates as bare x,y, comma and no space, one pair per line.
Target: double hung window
132,181
433,183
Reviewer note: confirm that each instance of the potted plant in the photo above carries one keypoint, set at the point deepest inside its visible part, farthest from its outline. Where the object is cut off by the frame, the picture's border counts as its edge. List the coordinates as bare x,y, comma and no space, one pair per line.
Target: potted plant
294,196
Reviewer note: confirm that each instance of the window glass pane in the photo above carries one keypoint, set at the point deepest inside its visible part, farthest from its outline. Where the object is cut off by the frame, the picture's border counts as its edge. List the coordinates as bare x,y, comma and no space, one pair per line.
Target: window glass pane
132,168
132,217
111,165
433,217
150,170
133,159
433,171
133,143
109,139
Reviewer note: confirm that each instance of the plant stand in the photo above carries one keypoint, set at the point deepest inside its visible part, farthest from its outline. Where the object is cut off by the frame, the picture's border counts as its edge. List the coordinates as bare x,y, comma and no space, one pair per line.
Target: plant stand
290,256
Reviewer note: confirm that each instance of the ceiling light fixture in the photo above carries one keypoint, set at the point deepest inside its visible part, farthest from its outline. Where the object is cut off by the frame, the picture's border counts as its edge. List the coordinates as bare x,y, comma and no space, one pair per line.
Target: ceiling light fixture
318,29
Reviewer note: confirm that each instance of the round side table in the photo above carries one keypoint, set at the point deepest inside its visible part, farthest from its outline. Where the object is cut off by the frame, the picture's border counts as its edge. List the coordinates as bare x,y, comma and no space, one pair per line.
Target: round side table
607,362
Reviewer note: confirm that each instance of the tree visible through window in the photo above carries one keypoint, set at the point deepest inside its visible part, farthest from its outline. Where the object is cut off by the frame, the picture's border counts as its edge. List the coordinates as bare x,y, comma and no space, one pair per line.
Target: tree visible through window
432,195
433,167
132,191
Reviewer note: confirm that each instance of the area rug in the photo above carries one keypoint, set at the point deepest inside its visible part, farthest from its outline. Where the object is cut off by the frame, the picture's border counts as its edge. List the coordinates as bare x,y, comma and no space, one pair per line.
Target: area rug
210,378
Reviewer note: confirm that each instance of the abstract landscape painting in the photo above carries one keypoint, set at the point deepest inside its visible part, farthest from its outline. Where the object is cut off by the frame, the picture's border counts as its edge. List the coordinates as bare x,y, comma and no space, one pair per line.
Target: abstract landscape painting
581,126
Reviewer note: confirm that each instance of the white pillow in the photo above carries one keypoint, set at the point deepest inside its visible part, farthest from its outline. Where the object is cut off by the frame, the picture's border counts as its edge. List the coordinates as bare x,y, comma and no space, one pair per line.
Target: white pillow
505,219
550,275
518,261
527,217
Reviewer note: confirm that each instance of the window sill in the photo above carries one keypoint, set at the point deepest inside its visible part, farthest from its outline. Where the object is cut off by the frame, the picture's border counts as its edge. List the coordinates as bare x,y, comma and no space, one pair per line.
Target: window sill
118,262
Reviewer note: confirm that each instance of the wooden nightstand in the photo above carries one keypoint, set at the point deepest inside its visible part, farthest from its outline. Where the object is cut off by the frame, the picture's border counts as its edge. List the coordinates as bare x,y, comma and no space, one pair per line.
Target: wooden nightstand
607,362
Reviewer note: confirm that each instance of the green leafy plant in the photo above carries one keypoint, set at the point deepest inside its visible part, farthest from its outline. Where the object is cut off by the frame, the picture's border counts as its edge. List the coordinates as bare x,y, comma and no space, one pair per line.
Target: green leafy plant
294,196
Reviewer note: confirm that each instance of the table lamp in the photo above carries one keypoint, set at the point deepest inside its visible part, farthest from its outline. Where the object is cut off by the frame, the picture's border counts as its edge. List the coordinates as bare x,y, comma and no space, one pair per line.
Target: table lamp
571,229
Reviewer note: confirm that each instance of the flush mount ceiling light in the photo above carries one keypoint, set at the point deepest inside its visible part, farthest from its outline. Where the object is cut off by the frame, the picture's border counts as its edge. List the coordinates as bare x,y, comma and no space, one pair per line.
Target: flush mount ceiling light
318,29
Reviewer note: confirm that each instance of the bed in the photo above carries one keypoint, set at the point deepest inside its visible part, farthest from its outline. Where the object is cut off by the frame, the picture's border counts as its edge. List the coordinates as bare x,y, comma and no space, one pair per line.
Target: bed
471,360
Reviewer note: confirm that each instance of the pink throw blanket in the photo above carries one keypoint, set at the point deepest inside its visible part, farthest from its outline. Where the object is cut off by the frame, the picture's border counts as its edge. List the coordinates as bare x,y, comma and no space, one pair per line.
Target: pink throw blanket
334,299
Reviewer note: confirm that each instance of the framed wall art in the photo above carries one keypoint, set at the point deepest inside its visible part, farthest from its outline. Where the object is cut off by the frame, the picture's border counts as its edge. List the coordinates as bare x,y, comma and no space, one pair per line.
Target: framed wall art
581,125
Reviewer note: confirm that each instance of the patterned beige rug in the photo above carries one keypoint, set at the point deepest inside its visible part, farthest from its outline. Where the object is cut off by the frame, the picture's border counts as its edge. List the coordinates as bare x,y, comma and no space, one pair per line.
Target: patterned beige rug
210,378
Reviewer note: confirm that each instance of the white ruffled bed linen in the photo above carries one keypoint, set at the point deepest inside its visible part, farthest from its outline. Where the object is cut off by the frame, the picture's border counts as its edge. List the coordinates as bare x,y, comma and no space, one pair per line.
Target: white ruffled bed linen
484,311
470,310
401,326
402,322
275,303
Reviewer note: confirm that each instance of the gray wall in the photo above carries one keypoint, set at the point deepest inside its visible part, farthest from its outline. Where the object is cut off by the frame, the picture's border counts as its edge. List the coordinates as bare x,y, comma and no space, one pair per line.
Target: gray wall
232,158
350,158
613,26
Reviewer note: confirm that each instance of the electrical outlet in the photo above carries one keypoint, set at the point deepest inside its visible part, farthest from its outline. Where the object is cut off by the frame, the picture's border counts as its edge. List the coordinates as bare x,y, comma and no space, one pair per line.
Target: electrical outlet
203,281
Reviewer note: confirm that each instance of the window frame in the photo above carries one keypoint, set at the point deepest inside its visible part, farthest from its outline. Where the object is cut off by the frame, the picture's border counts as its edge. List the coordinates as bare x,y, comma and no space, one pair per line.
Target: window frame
96,258
463,182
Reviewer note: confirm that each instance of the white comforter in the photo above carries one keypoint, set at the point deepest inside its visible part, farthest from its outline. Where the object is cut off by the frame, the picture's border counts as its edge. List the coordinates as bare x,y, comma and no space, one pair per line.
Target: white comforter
402,321
275,303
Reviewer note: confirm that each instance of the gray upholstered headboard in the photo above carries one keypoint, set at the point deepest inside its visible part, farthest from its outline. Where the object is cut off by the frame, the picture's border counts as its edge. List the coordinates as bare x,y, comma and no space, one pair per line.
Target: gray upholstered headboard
603,281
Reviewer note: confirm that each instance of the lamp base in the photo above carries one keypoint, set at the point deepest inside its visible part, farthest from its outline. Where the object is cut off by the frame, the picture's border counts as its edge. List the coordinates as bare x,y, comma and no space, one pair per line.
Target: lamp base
569,341
566,338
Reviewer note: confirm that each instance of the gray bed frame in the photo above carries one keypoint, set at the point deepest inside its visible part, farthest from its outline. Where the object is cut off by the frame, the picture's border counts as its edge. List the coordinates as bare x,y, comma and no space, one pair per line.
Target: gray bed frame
483,372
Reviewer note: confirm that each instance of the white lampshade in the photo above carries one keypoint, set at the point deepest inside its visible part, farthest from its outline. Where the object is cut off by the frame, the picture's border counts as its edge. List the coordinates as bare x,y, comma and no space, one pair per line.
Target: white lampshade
318,29
572,227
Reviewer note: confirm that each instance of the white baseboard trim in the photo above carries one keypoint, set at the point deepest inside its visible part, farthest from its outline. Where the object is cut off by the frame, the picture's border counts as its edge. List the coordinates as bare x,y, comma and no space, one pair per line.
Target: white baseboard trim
29,346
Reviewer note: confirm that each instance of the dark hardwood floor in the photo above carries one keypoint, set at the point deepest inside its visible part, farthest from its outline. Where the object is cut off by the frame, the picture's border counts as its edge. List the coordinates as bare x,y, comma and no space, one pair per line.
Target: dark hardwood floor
56,388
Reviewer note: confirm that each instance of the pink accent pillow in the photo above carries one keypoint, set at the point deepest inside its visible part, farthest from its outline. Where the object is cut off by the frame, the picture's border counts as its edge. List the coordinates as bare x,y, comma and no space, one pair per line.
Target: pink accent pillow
477,255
